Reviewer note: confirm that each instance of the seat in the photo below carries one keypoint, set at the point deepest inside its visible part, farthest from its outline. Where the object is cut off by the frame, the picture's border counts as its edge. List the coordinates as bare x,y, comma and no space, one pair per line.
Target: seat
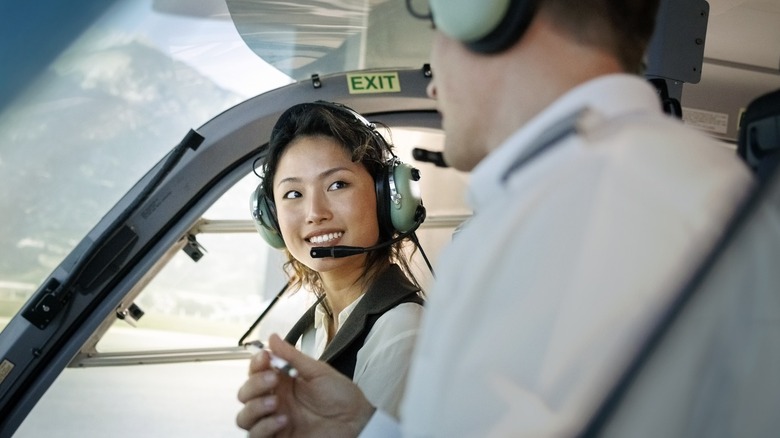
759,134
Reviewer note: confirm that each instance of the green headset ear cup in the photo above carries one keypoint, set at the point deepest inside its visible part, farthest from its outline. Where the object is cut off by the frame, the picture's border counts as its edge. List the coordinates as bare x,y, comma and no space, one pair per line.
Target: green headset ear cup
264,215
404,199
487,26
468,20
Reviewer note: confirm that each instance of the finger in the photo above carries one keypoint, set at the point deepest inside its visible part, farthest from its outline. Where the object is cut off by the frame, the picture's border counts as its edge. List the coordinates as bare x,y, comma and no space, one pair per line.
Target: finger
259,361
256,410
258,385
268,426
307,367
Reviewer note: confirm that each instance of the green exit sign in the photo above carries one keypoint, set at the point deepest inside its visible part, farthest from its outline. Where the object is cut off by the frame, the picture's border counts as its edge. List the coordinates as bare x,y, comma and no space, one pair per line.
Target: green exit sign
377,82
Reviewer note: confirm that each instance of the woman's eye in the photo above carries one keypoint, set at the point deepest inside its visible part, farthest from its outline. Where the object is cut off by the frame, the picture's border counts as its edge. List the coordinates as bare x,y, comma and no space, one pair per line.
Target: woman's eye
292,194
337,185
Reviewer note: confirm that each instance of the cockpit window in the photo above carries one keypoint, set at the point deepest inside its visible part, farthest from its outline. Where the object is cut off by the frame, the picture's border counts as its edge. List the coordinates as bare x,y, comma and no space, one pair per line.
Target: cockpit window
101,115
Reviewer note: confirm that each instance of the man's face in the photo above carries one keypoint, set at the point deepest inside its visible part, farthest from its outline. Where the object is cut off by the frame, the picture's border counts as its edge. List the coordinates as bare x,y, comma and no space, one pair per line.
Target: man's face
463,97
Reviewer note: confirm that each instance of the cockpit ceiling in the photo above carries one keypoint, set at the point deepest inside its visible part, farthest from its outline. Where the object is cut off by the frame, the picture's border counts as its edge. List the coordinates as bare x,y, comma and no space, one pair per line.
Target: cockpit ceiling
744,32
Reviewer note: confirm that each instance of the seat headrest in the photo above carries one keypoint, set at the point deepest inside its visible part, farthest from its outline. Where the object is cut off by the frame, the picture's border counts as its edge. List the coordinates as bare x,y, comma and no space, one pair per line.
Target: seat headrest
759,132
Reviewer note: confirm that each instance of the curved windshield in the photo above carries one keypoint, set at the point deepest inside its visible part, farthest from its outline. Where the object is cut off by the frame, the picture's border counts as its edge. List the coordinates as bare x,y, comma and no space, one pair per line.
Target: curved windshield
302,38
101,115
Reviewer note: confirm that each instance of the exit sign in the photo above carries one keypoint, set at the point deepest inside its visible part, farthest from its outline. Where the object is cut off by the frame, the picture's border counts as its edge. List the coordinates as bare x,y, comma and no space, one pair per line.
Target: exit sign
377,82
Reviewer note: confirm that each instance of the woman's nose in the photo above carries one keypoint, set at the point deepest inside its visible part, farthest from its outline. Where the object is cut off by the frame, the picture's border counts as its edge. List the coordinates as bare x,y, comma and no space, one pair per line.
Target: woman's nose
318,209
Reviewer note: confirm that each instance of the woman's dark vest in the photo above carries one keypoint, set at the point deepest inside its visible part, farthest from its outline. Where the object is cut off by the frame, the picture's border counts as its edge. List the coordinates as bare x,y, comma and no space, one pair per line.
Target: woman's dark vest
390,289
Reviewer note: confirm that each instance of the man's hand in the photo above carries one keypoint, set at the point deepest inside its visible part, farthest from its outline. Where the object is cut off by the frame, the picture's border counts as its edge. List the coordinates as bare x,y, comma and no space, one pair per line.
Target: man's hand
319,402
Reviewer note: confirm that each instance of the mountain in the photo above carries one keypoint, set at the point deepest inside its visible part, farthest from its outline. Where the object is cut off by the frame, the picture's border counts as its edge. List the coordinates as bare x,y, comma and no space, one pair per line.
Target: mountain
78,139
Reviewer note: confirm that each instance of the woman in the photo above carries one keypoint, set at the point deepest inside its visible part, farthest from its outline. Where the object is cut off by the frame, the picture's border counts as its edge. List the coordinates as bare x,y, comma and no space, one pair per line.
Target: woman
328,180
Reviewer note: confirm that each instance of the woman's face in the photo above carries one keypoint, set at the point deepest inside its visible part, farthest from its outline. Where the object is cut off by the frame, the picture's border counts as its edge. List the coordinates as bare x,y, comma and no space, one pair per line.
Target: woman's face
324,199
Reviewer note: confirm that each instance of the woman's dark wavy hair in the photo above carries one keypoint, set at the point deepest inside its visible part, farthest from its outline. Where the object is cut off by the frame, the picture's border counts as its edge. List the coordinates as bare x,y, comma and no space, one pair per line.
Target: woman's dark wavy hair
364,144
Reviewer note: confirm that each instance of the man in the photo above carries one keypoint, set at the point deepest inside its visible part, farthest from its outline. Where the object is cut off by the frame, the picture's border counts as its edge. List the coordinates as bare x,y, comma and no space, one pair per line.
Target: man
591,206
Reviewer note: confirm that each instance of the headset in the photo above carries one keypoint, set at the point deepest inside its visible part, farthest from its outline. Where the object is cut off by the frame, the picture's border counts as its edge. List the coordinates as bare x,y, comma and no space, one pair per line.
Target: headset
485,26
399,205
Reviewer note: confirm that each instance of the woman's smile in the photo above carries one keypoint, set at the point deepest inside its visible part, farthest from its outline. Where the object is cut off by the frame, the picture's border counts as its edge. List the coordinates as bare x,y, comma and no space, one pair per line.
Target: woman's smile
327,238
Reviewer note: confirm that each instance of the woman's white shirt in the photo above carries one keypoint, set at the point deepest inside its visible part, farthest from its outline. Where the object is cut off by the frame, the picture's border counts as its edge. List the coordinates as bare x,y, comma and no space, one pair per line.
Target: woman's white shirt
383,362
